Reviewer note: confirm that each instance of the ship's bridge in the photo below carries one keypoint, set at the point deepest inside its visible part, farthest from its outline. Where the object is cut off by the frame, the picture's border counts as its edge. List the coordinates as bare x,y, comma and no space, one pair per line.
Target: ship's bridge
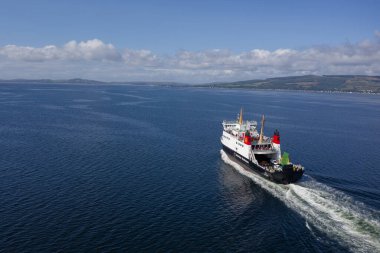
233,125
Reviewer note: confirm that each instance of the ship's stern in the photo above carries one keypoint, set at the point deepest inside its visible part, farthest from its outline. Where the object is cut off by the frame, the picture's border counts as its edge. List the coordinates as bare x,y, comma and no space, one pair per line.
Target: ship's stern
291,173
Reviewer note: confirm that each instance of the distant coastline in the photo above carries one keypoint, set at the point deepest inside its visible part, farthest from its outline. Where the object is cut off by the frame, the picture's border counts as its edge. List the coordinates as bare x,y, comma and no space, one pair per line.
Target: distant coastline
324,83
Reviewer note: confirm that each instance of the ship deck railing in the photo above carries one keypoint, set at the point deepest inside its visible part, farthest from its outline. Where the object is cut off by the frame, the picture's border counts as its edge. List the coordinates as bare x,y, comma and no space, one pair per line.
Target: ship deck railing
262,146
230,122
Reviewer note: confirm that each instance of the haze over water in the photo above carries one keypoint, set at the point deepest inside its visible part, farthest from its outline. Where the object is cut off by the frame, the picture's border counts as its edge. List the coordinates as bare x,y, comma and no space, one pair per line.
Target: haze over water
139,168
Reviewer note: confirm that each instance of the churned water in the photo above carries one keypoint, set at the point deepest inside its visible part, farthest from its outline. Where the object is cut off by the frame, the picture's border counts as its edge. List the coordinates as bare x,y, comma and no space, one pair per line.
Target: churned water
140,168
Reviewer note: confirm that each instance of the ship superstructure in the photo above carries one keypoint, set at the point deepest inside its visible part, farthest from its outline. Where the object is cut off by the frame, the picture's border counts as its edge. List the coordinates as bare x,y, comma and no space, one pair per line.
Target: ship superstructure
242,141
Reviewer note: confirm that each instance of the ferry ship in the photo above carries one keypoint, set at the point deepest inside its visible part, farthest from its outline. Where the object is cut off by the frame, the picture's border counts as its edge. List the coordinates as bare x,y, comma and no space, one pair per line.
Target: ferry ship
256,152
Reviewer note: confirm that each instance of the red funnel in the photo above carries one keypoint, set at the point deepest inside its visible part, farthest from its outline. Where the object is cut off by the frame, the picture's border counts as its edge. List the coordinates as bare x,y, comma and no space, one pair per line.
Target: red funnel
247,138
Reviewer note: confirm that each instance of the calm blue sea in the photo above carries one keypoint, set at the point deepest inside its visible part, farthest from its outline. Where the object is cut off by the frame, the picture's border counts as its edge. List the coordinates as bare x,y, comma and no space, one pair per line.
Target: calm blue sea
140,169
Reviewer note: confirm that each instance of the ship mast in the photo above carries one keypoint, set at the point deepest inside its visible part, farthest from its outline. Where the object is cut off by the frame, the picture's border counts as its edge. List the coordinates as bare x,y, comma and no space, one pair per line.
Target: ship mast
262,129
241,116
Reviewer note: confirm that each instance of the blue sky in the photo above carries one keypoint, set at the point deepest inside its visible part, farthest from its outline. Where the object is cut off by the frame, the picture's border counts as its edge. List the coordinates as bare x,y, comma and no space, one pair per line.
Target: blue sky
163,30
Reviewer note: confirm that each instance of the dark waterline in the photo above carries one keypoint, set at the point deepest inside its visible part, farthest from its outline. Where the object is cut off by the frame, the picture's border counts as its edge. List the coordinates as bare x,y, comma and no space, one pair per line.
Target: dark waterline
130,168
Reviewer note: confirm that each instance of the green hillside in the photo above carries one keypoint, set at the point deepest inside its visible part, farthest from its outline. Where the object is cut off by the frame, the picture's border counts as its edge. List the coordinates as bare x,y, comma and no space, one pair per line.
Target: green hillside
343,83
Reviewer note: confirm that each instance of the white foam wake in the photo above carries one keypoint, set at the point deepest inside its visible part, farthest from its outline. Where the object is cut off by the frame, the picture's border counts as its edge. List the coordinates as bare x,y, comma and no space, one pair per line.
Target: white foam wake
330,211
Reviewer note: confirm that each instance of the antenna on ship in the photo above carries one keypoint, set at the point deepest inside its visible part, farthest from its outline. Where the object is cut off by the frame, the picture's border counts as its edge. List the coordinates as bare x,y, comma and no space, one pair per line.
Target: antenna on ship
262,129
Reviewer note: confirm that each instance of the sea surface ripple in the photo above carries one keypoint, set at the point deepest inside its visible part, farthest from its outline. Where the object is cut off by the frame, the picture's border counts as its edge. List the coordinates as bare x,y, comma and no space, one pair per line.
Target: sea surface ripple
115,168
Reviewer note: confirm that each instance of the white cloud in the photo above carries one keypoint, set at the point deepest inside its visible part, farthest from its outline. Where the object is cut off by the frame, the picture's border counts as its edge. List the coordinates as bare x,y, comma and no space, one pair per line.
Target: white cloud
29,53
86,50
140,58
97,60
90,50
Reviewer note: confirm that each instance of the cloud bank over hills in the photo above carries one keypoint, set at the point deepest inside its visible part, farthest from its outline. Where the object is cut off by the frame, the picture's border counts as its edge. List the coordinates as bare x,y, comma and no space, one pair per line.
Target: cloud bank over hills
96,59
